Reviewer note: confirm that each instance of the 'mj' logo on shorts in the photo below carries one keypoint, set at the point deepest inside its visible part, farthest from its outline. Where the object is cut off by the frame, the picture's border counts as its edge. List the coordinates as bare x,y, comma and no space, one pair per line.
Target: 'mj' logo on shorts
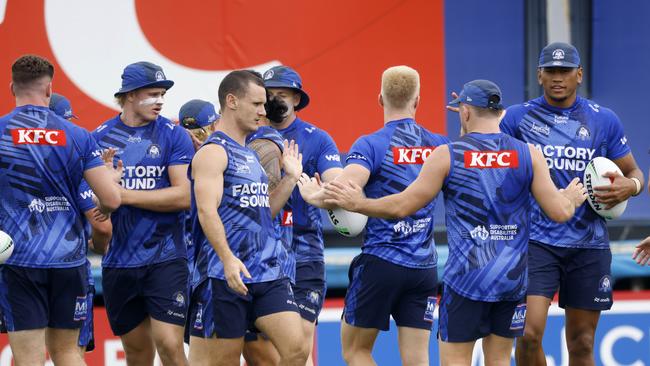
431,307
518,317
80,309
198,320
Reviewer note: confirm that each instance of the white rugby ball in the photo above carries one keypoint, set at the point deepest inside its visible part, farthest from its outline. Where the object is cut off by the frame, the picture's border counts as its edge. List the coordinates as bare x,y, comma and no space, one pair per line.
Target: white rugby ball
347,223
593,177
6,246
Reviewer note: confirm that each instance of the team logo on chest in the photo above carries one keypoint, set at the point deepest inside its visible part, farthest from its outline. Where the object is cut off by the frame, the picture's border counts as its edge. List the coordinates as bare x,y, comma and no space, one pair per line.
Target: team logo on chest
153,151
583,133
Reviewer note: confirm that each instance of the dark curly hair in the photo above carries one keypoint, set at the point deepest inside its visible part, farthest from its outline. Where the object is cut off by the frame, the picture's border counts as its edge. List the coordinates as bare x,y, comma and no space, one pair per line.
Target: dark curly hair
29,68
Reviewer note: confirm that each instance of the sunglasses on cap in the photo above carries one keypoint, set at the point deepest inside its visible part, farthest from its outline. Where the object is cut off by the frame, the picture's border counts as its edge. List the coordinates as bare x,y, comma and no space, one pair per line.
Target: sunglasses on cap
190,123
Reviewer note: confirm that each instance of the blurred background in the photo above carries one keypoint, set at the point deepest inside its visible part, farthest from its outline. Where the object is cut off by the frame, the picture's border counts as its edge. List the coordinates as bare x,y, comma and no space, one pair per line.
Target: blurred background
340,48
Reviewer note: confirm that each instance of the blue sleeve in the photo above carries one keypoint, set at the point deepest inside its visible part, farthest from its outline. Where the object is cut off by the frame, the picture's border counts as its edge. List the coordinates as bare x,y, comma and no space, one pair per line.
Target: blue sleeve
328,156
362,153
617,146
85,197
510,122
91,153
182,148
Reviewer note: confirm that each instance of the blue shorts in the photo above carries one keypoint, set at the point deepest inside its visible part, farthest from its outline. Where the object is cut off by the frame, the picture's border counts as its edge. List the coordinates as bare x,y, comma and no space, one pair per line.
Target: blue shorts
35,298
87,331
310,288
465,320
583,276
132,294
216,309
379,289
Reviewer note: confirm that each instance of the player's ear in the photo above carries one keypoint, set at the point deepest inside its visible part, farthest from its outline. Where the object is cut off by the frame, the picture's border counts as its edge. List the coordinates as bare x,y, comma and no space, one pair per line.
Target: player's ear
580,75
11,86
380,99
48,90
416,102
539,75
296,99
231,101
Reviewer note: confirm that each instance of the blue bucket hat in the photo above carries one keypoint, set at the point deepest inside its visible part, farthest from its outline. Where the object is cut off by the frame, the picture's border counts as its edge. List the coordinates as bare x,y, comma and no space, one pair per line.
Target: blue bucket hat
61,106
286,77
559,54
480,93
143,75
197,113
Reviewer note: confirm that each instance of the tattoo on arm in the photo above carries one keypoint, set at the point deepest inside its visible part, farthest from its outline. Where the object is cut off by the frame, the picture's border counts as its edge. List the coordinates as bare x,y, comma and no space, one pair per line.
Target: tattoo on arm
270,158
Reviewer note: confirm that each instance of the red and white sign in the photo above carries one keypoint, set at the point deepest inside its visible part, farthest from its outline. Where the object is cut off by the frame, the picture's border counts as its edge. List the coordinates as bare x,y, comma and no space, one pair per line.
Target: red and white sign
411,155
38,136
491,159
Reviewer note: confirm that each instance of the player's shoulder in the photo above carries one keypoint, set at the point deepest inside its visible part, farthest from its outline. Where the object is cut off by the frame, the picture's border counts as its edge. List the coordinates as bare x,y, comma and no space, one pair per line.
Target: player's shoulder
598,111
166,126
523,108
434,138
309,130
106,126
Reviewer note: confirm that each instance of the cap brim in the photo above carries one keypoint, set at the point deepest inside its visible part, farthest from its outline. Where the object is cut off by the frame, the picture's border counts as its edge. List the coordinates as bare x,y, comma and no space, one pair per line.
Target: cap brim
455,101
167,84
569,65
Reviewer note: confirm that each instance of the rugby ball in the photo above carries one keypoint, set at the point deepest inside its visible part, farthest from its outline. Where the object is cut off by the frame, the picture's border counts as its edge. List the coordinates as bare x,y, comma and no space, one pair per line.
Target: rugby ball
347,223
6,246
593,177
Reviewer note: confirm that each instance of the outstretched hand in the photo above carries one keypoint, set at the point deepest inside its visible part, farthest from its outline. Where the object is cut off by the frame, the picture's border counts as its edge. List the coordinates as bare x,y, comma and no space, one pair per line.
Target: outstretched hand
349,196
291,159
642,252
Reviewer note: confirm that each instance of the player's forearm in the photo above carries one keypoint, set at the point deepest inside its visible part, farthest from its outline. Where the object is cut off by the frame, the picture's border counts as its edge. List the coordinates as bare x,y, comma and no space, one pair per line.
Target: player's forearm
171,199
561,209
215,233
101,239
388,207
279,196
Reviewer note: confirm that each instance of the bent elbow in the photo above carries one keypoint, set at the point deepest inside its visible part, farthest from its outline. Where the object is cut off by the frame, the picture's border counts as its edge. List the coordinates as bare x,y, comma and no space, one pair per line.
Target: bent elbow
112,202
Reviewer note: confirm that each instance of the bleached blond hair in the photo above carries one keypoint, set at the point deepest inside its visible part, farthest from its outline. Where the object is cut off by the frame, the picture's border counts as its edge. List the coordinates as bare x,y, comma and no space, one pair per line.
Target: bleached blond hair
399,86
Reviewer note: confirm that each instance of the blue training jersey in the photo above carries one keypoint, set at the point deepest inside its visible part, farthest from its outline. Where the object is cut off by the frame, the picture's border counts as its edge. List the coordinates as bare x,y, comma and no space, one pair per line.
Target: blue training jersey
394,156
42,161
85,203
487,202
143,237
319,153
283,221
569,138
246,216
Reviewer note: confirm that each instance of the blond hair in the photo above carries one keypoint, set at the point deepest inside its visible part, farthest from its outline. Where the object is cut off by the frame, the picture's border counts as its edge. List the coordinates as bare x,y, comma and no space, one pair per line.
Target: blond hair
399,85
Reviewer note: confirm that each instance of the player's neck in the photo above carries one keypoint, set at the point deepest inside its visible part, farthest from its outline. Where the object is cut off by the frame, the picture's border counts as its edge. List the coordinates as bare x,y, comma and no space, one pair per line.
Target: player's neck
285,122
481,125
230,128
132,120
564,103
392,115
29,99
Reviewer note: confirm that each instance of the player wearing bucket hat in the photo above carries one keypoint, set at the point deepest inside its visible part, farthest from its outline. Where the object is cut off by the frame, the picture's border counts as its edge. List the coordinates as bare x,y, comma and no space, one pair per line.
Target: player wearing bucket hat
570,131
145,272
320,156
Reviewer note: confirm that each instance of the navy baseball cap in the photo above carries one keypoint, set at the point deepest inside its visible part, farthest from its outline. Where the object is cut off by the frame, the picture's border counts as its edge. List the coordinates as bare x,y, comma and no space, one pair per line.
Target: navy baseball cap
61,106
559,54
143,75
197,113
286,77
480,93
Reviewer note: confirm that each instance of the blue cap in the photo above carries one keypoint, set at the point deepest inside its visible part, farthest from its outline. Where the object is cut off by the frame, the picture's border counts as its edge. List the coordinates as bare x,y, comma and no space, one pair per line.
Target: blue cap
559,54
480,93
286,77
143,75
197,113
61,106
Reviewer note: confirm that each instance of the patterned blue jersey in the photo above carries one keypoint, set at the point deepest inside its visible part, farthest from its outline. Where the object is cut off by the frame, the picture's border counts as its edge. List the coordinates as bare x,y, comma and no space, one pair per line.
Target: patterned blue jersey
85,203
143,237
246,217
569,138
394,156
283,221
319,153
487,202
42,161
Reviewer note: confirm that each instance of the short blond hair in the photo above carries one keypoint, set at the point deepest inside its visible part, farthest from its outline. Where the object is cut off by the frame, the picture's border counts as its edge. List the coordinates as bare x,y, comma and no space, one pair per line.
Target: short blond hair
399,85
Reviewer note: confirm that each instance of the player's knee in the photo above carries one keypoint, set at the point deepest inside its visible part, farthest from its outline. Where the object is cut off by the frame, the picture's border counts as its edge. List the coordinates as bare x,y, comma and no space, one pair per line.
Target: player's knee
581,344
351,352
169,349
296,354
532,338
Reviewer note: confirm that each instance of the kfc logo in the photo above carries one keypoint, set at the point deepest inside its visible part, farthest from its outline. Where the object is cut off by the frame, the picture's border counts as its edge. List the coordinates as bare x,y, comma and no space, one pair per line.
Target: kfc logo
491,159
287,218
411,155
38,136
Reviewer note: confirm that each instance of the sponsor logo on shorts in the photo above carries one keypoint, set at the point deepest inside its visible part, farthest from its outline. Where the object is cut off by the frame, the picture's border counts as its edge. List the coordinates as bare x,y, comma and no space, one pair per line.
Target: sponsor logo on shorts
411,155
198,320
38,136
179,299
605,284
518,317
431,307
313,296
80,309
287,218
491,159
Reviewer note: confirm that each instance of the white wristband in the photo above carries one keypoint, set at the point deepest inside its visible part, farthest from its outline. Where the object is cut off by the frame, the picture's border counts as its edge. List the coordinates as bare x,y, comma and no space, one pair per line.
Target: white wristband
637,182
